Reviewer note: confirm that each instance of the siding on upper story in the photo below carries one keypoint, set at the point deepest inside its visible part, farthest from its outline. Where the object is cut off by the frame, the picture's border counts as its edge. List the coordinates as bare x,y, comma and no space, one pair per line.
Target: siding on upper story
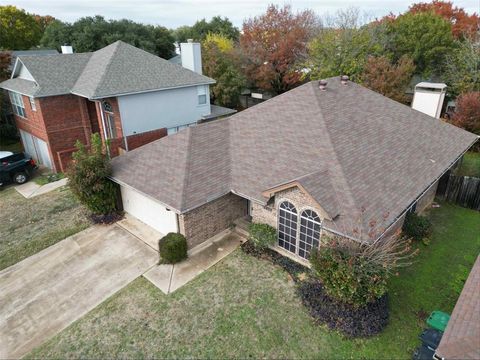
161,109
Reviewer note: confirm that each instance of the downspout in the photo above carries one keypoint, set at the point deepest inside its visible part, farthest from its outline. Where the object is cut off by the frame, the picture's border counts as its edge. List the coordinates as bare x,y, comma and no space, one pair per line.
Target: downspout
104,127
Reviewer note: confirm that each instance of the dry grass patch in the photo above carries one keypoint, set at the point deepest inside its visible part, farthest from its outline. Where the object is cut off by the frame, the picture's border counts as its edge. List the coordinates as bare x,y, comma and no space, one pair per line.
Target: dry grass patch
30,225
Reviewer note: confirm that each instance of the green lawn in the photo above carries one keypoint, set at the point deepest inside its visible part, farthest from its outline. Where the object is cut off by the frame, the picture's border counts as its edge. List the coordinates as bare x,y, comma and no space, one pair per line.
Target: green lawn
470,165
30,225
246,307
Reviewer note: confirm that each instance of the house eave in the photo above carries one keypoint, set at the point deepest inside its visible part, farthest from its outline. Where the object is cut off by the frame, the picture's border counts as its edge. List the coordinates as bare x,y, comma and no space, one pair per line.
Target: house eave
169,207
424,192
103,96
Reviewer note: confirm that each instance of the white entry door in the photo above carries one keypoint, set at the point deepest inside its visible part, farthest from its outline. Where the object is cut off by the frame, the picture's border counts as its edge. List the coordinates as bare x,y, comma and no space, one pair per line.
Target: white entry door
36,148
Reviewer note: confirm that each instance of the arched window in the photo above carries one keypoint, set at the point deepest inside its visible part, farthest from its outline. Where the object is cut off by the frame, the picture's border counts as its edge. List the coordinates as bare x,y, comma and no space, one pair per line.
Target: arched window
287,226
310,225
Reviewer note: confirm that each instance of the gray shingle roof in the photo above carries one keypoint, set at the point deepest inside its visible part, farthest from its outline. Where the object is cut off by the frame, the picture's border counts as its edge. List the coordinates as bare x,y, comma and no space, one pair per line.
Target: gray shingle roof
21,86
358,153
53,74
116,69
461,339
121,68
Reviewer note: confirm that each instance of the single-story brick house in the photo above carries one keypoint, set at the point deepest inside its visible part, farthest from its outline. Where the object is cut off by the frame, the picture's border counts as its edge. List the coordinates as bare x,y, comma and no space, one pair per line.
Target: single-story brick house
129,96
344,160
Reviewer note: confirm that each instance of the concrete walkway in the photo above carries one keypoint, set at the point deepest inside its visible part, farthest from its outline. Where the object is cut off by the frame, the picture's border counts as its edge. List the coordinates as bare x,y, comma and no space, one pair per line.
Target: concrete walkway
169,278
144,232
46,292
31,189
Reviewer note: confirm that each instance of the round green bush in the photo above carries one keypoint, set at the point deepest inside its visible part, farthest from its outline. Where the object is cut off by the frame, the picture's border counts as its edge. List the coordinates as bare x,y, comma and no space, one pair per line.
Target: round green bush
417,227
173,248
348,276
262,235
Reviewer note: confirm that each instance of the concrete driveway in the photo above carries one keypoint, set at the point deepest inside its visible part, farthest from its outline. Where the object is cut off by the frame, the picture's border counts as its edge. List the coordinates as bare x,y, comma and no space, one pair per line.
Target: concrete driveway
46,292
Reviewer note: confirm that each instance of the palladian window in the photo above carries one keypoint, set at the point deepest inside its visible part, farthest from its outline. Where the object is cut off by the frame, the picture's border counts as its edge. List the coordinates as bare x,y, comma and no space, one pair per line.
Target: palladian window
298,238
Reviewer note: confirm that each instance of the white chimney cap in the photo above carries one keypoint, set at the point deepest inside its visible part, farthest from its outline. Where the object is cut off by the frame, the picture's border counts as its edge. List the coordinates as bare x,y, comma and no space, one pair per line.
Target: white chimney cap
67,49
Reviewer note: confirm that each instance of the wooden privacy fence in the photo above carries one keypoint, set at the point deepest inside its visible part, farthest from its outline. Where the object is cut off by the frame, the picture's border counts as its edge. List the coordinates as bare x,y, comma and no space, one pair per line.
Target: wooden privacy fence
461,190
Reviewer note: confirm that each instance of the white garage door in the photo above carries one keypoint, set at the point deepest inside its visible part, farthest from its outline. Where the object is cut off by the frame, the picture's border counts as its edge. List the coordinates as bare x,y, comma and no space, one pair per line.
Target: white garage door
36,148
148,211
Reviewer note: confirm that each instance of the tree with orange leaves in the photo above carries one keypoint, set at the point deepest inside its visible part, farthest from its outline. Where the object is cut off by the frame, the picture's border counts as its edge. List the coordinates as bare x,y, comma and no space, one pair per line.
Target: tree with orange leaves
463,25
467,113
273,46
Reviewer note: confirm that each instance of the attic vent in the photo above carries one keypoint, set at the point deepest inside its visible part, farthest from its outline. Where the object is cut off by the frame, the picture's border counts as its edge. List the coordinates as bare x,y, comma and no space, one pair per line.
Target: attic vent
322,85
344,79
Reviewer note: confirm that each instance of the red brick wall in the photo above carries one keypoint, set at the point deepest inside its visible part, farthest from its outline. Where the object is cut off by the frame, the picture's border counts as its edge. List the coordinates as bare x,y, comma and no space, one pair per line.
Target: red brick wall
66,120
137,140
33,123
92,114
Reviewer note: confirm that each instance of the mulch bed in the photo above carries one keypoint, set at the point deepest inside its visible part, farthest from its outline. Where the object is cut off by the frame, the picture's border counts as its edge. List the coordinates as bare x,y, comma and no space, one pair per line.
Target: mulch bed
293,268
351,321
106,219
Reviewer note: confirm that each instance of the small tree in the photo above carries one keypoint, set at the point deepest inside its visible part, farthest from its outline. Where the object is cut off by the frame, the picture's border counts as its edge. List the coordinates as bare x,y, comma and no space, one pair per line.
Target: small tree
388,79
462,68
425,37
467,113
88,178
219,63
343,46
273,46
463,24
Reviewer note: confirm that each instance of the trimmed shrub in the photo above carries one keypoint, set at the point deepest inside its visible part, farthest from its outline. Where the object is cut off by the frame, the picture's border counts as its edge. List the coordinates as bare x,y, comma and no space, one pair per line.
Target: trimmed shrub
88,178
417,227
363,321
173,248
262,235
347,275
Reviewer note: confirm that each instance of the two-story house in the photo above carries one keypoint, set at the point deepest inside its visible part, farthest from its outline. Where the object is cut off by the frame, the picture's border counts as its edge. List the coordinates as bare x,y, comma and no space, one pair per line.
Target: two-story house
128,95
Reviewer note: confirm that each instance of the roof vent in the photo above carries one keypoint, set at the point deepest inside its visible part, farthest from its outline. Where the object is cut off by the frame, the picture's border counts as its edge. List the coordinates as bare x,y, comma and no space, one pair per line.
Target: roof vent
344,79
322,85
190,41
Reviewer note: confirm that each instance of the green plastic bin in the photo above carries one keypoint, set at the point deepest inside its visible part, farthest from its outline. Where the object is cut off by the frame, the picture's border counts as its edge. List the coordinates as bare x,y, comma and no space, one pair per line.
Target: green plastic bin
438,320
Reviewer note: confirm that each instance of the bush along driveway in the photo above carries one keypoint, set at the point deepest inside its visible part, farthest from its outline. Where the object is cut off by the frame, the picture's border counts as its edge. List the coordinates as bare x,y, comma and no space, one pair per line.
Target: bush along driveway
30,225
250,307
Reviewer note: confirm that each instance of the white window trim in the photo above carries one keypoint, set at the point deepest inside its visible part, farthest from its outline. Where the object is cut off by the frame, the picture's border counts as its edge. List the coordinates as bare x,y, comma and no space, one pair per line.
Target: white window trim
17,102
202,90
299,214
33,106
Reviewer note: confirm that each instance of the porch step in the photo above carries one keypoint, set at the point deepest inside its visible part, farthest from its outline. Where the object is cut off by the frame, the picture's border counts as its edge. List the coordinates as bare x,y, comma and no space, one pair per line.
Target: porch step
241,227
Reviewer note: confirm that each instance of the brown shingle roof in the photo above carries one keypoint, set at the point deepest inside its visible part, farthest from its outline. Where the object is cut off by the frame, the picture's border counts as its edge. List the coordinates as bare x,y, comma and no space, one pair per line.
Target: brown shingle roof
461,339
379,154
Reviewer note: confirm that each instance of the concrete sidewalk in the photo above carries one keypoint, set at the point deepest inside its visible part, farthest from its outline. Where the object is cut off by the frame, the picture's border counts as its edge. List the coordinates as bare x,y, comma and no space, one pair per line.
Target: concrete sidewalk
169,278
43,294
31,189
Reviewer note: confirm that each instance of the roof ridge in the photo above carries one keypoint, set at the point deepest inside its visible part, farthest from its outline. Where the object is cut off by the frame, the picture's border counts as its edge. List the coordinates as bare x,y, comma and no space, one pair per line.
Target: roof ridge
105,70
345,186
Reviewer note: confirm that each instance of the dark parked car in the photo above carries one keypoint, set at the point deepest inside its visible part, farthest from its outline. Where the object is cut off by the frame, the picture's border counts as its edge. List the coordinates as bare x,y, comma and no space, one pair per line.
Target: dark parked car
17,168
